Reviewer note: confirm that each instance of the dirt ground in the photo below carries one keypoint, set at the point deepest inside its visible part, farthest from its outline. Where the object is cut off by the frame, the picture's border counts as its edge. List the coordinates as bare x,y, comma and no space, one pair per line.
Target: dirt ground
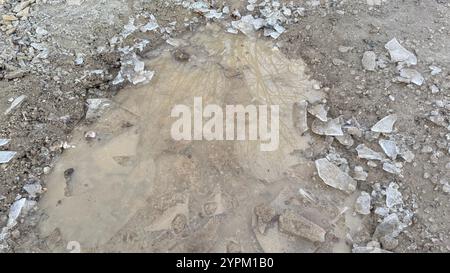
60,54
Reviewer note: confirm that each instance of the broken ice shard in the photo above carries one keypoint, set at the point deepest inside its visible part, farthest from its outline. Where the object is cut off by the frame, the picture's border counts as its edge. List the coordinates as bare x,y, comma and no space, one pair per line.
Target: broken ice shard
367,153
399,53
330,128
333,176
6,156
386,125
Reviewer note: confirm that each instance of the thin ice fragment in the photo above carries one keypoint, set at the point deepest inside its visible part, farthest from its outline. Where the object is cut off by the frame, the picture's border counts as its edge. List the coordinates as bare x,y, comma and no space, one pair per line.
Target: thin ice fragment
367,153
319,112
4,141
6,156
389,147
16,103
333,176
330,128
151,25
399,53
362,205
14,211
393,196
386,125
392,168
409,75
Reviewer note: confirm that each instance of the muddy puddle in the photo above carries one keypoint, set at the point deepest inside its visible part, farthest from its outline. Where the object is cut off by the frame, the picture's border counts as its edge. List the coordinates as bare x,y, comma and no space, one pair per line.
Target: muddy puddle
134,188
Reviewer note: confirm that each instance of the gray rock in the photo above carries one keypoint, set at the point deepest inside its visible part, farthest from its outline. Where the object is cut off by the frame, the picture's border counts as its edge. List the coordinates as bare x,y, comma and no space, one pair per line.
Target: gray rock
388,242
344,49
338,62
345,140
265,213
447,166
369,61
407,155
15,74
354,131
372,164
427,149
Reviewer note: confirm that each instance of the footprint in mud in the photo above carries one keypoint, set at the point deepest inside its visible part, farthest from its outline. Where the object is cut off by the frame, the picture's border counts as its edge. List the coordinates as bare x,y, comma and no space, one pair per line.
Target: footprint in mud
68,191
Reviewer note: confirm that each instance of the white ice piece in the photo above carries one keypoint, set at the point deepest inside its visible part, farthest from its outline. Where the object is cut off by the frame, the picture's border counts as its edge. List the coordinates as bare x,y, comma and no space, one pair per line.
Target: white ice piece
399,53
389,147
367,153
393,196
16,102
385,125
14,211
362,205
4,141
151,25
409,75
6,156
330,128
334,176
